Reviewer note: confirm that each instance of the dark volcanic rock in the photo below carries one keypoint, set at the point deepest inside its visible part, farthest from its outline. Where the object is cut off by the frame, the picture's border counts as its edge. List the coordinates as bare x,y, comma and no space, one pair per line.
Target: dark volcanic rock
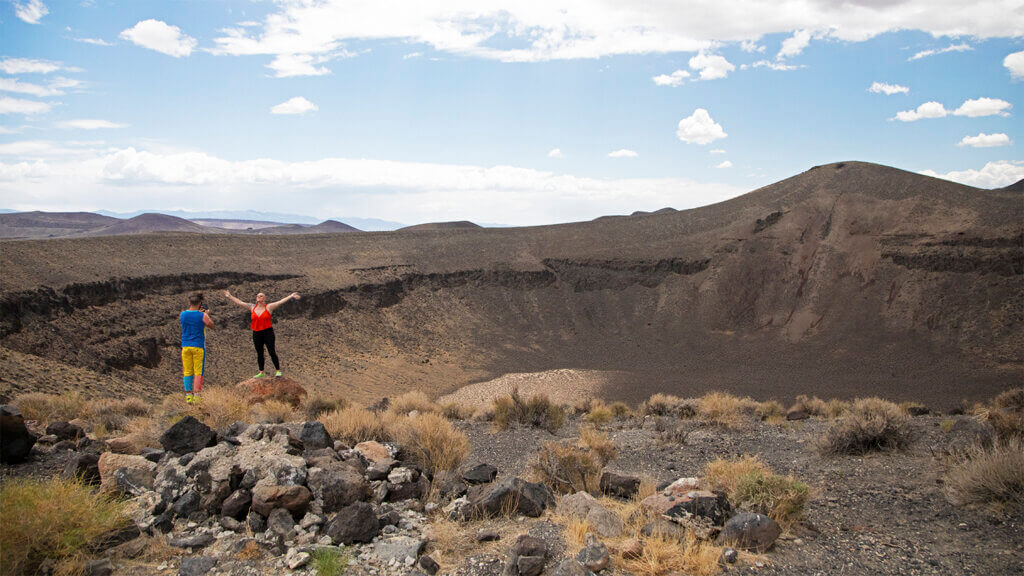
714,507
619,485
84,466
199,566
237,504
65,431
294,498
186,504
750,532
314,436
338,485
526,498
15,440
355,523
188,435
192,541
480,474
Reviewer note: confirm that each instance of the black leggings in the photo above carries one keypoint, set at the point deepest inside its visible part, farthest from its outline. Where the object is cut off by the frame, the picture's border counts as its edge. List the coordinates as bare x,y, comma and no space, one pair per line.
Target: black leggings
261,338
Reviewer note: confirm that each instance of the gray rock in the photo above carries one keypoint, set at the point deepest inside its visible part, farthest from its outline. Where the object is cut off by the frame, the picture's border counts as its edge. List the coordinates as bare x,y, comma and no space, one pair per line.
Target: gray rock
526,498
729,555
480,474
315,436
196,566
101,567
487,536
65,431
619,485
186,504
188,435
577,505
379,469
605,522
280,522
750,532
338,485
594,555
407,490
192,541
291,476
229,523
354,523
402,475
529,565
398,549
295,559
237,504
133,481
15,440
154,455
429,565
570,567
256,521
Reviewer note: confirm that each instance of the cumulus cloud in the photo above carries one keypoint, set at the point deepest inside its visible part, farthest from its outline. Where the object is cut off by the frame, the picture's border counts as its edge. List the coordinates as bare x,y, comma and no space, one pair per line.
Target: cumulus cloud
31,11
286,65
55,87
94,41
403,191
674,79
699,128
983,107
623,153
297,105
795,44
26,107
983,140
89,124
28,66
992,175
161,37
950,48
725,164
566,29
556,153
888,89
1015,64
711,66
751,46
926,110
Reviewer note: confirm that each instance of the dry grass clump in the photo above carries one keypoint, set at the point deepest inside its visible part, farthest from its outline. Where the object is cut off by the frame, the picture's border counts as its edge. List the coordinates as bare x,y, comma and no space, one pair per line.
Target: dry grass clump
433,442
751,485
567,469
598,443
871,424
315,405
46,408
660,405
991,477
599,414
538,412
456,411
620,410
355,424
1012,400
218,406
1007,414
771,411
275,411
52,519
723,409
414,400
662,554
819,408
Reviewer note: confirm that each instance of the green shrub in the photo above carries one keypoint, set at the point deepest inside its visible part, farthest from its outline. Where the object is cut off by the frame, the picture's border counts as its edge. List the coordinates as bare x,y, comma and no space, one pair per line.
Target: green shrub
329,562
750,484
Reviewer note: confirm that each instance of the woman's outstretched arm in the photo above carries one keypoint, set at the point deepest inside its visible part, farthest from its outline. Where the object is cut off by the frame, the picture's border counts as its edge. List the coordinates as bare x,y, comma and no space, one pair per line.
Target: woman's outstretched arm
274,305
236,300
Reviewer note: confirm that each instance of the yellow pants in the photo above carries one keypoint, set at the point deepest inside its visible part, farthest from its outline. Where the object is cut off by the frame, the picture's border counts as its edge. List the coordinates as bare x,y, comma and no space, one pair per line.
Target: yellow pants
192,365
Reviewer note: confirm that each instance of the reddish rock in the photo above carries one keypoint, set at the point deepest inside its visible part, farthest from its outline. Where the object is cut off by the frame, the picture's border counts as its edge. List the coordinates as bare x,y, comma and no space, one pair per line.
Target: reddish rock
295,499
373,451
258,390
676,493
110,463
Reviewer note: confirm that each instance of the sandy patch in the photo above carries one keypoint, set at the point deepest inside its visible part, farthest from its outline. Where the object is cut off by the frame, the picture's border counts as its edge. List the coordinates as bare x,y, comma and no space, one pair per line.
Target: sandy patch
564,386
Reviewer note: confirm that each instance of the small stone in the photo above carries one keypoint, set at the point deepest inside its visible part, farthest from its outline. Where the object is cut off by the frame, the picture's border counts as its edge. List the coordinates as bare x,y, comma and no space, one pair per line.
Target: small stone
487,536
280,522
632,549
594,555
730,555
192,566
530,565
750,532
429,565
298,560
193,541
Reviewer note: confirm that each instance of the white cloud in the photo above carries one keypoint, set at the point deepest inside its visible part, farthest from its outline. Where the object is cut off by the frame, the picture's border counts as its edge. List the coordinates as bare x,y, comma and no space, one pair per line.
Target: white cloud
926,110
89,124
950,48
405,191
674,79
31,11
993,175
286,65
699,128
1015,64
556,153
716,151
725,164
28,66
794,45
54,88
711,66
19,106
297,105
751,46
888,89
161,37
569,29
8,130
623,153
773,65
94,41
983,140
411,55
983,107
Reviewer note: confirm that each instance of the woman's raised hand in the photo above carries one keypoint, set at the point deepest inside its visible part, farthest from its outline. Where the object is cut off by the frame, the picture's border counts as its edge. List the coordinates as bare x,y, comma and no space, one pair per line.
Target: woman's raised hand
295,295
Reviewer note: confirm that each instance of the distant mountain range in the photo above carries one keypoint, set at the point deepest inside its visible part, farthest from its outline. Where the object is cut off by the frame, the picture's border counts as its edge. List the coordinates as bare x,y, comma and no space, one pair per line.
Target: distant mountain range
365,224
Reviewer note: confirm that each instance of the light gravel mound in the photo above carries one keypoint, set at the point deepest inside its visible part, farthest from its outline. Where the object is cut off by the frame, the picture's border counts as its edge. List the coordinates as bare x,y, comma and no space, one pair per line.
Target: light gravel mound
563,386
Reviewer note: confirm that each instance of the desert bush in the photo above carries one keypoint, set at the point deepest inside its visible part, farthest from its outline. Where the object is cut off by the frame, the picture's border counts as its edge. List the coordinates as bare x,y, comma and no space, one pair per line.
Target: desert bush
835,408
275,411
620,410
992,477
315,405
750,484
600,444
913,408
1007,414
1012,399
660,405
770,411
538,412
456,411
146,430
662,554
870,424
414,400
356,424
431,441
567,469
812,406
219,406
46,408
724,409
599,414
53,519
329,561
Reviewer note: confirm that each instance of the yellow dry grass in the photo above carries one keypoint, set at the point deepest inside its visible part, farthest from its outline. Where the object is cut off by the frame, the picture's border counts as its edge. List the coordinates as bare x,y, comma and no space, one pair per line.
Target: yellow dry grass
356,424
414,400
751,484
725,410
433,442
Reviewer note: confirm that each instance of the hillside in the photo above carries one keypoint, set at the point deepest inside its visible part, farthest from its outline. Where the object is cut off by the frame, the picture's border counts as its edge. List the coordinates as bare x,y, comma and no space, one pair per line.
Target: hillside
848,279
50,224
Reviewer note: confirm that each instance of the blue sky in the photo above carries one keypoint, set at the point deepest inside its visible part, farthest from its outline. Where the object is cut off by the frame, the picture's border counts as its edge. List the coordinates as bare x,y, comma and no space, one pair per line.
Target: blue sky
524,113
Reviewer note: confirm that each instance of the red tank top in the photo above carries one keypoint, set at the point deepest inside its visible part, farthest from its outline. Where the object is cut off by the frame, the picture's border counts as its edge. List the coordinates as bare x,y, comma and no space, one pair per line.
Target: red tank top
260,321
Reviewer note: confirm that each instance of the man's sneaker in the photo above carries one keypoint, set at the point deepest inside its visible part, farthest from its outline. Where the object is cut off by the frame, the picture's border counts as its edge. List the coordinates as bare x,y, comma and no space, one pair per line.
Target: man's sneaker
278,374
260,375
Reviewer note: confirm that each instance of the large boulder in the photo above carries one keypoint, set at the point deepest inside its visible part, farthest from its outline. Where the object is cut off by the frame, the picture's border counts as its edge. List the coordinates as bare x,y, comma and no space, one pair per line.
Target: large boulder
109,463
355,523
337,485
84,466
15,440
188,435
750,532
480,474
314,436
513,495
295,499
281,389
619,485
585,507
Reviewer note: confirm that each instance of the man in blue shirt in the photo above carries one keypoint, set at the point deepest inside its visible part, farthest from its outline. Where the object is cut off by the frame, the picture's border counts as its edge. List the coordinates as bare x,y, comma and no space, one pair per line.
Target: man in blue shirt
194,323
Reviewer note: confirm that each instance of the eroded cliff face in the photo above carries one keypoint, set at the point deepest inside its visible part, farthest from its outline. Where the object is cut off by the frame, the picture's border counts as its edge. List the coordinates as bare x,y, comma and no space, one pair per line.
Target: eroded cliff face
821,285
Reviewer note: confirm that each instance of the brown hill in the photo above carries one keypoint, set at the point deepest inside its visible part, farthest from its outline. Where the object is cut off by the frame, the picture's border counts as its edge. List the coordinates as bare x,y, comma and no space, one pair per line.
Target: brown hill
461,224
148,223
325,227
50,224
850,279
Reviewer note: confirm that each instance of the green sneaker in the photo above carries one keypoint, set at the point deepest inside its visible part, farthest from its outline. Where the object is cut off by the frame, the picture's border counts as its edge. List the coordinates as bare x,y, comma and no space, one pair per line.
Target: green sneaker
189,398
260,375
278,374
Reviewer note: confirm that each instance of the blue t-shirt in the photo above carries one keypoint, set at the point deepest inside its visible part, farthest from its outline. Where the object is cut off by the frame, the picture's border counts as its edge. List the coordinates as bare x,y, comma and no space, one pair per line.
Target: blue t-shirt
193,331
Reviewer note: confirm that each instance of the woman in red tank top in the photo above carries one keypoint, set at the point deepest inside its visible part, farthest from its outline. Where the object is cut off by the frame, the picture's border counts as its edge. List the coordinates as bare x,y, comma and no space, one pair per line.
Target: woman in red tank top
262,327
